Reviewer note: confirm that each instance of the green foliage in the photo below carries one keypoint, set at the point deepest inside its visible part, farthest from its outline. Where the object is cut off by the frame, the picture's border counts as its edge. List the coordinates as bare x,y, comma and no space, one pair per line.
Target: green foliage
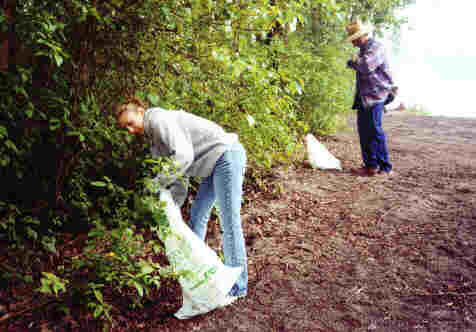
119,253
51,284
418,110
123,259
97,304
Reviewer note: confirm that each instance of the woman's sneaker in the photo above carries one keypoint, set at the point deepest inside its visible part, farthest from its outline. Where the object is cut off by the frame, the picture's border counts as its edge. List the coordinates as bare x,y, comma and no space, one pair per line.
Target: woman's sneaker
234,292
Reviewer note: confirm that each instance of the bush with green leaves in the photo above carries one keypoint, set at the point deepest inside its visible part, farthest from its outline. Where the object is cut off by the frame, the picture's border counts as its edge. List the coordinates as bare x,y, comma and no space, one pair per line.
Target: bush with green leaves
119,254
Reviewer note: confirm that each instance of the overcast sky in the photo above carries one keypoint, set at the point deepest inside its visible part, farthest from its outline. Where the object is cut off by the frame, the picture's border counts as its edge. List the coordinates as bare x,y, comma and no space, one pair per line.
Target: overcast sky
436,64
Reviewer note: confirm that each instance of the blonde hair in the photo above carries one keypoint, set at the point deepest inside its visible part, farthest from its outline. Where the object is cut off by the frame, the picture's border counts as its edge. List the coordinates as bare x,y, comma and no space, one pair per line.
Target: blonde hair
123,107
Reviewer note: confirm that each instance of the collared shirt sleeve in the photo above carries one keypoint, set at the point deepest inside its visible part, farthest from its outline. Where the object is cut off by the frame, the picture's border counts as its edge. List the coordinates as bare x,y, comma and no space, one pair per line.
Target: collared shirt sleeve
370,59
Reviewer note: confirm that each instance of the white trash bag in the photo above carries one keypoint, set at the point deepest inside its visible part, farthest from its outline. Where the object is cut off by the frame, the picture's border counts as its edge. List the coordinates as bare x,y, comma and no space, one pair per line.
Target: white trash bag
208,282
319,156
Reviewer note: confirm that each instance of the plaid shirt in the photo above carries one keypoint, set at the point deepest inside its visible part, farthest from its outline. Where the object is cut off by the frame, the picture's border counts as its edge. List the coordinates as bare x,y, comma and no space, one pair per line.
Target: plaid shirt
374,80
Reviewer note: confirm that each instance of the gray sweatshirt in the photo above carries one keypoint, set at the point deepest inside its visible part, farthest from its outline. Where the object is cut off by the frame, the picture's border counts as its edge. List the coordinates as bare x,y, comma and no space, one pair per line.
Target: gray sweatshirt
194,144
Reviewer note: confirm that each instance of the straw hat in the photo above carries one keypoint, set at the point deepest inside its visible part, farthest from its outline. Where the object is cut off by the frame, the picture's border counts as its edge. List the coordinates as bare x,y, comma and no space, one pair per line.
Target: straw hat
356,30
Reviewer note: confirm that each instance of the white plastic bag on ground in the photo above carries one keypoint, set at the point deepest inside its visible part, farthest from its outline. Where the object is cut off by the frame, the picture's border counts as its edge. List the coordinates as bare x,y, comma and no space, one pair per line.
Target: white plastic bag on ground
206,287
319,156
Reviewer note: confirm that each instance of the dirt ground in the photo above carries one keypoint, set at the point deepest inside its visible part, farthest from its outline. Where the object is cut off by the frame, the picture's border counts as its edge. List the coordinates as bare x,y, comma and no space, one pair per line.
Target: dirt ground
337,252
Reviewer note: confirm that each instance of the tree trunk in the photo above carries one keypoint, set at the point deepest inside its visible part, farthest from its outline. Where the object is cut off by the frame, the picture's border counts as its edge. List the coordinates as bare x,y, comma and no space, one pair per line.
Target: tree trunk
5,37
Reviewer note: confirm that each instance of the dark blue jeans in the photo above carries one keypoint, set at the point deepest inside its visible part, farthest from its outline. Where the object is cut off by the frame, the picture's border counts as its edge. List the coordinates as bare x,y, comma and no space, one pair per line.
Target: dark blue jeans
373,142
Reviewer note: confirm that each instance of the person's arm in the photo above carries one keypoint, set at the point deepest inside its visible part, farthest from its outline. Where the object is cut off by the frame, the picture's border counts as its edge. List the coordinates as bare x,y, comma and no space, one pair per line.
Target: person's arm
369,61
179,190
167,134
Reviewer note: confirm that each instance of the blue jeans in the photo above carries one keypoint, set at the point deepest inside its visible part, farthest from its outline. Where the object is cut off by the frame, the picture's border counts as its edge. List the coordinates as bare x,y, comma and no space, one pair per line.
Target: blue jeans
373,142
225,186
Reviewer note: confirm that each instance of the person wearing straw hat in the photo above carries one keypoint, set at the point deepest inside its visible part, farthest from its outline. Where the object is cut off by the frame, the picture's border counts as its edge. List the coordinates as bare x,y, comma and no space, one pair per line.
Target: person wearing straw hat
374,89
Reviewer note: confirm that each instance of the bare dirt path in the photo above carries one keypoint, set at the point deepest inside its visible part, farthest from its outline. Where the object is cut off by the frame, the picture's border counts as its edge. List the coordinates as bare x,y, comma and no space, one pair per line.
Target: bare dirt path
337,252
